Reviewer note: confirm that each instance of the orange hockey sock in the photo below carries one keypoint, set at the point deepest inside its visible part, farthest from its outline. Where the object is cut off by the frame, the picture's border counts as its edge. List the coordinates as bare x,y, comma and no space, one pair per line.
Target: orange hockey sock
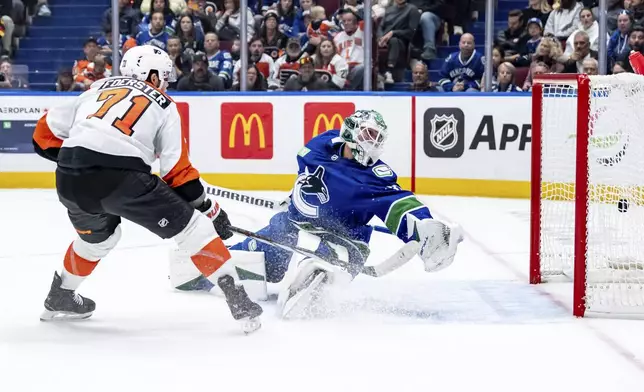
211,257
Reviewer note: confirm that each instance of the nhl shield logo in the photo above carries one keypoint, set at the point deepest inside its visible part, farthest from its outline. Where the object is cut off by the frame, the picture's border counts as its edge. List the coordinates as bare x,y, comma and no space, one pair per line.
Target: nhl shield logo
443,135
444,132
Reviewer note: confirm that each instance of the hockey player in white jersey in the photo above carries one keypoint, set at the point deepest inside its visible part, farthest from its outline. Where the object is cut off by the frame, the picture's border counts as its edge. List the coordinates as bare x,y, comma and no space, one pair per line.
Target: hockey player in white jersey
341,185
104,143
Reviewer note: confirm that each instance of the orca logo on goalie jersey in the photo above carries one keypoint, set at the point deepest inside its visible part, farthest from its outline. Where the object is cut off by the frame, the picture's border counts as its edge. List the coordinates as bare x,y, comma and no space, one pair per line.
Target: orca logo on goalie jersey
310,188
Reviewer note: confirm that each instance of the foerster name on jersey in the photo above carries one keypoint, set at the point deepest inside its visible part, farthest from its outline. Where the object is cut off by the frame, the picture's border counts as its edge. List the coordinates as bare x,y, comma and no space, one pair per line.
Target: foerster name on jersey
152,93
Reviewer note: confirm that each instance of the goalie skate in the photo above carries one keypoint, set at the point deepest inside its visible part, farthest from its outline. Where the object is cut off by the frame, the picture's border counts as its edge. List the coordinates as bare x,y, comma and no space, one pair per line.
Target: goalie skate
64,305
296,302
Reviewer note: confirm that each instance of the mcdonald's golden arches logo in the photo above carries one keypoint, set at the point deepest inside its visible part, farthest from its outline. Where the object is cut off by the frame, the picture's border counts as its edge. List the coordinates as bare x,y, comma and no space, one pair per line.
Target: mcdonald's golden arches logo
320,117
247,130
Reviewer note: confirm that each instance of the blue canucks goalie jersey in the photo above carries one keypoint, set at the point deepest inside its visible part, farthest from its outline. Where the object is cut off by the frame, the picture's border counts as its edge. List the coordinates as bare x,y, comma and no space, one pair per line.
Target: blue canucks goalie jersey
342,196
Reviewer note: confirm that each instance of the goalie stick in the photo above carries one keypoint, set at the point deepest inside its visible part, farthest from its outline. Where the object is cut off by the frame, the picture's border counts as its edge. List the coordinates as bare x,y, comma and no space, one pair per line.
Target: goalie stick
275,205
393,262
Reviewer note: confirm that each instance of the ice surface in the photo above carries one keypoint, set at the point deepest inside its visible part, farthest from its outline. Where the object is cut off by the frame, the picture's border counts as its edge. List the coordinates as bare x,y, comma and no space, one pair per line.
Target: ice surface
476,326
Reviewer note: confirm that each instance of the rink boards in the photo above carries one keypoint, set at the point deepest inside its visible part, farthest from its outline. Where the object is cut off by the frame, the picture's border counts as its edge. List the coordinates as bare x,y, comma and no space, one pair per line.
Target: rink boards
465,144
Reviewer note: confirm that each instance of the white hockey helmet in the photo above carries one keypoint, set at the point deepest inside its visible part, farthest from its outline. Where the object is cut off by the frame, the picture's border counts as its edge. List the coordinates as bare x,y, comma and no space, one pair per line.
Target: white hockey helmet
365,132
139,61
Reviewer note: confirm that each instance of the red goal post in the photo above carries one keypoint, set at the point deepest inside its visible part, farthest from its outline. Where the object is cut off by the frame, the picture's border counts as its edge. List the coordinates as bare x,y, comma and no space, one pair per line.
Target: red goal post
587,189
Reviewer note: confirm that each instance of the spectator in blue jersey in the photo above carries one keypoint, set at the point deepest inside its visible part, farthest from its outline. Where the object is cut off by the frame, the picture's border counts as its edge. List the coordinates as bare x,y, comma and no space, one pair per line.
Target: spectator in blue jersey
505,81
200,79
220,62
191,38
156,35
229,21
274,39
287,13
169,17
618,43
395,32
128,19
528,48
462,70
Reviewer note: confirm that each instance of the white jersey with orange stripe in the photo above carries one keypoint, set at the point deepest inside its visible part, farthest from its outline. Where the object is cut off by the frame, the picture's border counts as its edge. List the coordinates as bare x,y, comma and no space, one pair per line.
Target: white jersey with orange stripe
119,121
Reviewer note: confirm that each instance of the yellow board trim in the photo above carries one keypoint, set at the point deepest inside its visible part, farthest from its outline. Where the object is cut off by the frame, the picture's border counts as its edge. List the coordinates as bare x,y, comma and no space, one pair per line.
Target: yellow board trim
473,187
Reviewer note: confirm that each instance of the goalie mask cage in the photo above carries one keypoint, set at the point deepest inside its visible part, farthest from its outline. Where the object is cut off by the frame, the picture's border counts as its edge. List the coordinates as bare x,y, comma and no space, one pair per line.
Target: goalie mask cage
587,189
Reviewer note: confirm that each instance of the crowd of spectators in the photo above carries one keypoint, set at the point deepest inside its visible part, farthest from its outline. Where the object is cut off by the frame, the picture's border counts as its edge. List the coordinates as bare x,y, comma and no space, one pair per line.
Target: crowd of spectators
294,45
562,37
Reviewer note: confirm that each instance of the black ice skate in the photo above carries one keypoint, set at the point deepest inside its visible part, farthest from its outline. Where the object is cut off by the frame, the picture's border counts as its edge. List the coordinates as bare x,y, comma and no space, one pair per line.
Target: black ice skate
241,306
62,304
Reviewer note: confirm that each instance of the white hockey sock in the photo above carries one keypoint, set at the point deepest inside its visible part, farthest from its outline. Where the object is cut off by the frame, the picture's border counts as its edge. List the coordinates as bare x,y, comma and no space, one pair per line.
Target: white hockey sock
70,281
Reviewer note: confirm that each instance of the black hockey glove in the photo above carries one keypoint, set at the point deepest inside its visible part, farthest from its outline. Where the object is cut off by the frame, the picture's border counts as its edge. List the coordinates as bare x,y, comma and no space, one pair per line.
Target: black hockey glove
218,217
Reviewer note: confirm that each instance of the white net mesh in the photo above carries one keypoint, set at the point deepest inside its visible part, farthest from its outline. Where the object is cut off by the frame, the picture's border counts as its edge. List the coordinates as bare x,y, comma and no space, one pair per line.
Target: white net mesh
614,262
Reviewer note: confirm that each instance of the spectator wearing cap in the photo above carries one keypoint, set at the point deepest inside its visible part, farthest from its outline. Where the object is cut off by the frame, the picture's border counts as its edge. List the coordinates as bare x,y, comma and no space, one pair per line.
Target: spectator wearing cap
65,81
255,80
229,21
420,79
307,79
287,64
540,9
287,13
264,63
618,42
431,18
7,79
510,38
349,44
395,32
330,67
191,37
505,81
589,25
156,35
200,79
528,46
274,40
90,49
169,18
346,4
220,62
128,19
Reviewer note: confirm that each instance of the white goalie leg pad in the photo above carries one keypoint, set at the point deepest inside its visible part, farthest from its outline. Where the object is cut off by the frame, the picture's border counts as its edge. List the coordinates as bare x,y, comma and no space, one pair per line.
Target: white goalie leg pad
247,268
95,252
300,286
438,241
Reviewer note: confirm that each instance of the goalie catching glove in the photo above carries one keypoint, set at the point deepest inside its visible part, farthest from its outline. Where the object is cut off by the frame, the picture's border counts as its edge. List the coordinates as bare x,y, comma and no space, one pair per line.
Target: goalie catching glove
438,241
218,217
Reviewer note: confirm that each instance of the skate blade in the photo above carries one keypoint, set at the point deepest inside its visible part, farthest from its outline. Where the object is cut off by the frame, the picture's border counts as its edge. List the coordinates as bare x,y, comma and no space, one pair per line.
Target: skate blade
250,325
301,300
53,315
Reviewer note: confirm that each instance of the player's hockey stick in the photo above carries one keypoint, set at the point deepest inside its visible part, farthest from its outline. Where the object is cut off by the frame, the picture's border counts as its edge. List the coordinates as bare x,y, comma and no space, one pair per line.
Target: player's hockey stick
276,205
393,262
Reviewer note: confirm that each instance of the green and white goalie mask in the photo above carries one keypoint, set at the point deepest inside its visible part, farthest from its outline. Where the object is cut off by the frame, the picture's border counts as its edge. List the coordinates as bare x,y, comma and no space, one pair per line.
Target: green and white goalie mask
365,132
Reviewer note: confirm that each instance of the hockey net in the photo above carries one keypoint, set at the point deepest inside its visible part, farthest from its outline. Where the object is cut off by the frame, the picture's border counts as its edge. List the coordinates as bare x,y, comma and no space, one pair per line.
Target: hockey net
587,215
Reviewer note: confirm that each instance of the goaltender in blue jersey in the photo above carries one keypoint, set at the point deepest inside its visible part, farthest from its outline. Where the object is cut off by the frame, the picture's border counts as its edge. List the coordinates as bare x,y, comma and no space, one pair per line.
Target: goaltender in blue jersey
341,185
